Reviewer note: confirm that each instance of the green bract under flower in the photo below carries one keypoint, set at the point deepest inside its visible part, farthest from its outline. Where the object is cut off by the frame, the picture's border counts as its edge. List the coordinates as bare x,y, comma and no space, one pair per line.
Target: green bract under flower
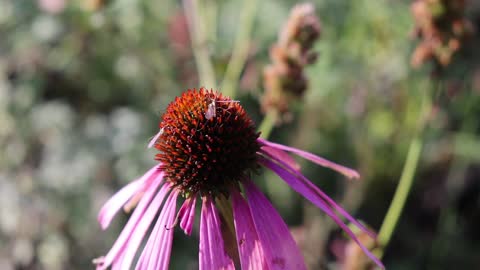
207,143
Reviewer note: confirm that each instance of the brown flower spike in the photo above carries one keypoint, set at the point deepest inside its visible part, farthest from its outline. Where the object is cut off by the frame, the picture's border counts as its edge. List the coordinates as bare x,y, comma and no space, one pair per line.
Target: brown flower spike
442,28
284,79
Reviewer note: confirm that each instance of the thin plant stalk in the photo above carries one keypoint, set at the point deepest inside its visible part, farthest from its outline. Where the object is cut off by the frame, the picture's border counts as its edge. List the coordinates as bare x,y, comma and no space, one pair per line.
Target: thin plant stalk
406,179
401,194
197,30
240,49
268,123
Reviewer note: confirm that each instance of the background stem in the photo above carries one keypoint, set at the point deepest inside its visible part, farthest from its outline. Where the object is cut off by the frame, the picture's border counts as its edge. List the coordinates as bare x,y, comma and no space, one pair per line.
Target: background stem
240,49
400,197
197,30
406,179
268,123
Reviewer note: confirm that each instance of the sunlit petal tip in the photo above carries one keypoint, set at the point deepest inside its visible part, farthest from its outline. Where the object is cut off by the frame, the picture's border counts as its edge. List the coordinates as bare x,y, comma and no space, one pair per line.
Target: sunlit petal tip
304,187
99,262
117,252
122,197
152,142
350,173
115,203
186,215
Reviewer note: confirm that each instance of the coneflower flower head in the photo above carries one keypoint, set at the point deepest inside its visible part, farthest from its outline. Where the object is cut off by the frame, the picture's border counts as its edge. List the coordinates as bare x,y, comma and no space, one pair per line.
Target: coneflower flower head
208,149
442,27
284,79
207,143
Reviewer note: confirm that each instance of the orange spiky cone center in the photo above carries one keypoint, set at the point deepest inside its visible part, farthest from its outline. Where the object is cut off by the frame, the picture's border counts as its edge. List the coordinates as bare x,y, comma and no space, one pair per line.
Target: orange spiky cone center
207,143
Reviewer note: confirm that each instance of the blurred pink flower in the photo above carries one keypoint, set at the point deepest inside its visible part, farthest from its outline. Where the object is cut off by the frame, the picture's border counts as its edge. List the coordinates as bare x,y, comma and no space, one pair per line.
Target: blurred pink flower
52,6
204,138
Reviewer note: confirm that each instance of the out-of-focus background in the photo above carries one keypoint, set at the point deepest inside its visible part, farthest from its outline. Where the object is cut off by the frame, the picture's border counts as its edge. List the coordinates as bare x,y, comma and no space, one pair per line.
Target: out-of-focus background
84,82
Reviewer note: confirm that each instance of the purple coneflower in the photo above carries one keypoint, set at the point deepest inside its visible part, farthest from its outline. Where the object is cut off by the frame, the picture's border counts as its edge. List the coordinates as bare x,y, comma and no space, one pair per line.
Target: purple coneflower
208,149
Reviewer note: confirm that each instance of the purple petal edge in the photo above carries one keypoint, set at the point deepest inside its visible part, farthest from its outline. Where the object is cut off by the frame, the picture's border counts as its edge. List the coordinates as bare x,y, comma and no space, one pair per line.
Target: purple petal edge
306,190
118,247
186,215
156,254
115,203
350,173
250,249
280,249
142,227
282,155
212,253
322,194
154,140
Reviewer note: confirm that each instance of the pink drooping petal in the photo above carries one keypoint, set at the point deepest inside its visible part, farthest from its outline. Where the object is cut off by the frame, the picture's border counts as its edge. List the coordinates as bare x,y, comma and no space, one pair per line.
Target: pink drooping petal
286,169
115,203
280,250
250,249
119,246
156,254
314,158
142,227
186,215
163,259
317,197
155,139
281,155
117,264
212,254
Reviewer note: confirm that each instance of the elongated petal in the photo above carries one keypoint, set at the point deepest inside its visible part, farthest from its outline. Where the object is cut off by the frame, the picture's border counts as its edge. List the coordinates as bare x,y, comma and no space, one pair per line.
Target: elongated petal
115,203
142,227
187,215
155,138
212,253
280,250
314,158
163,258
301,185
117,264
271,151
156,254
118,247
250,250
284,169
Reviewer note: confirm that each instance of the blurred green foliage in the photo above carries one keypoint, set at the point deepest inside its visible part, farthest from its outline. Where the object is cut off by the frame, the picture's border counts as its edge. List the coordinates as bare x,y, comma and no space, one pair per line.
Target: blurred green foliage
83,84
